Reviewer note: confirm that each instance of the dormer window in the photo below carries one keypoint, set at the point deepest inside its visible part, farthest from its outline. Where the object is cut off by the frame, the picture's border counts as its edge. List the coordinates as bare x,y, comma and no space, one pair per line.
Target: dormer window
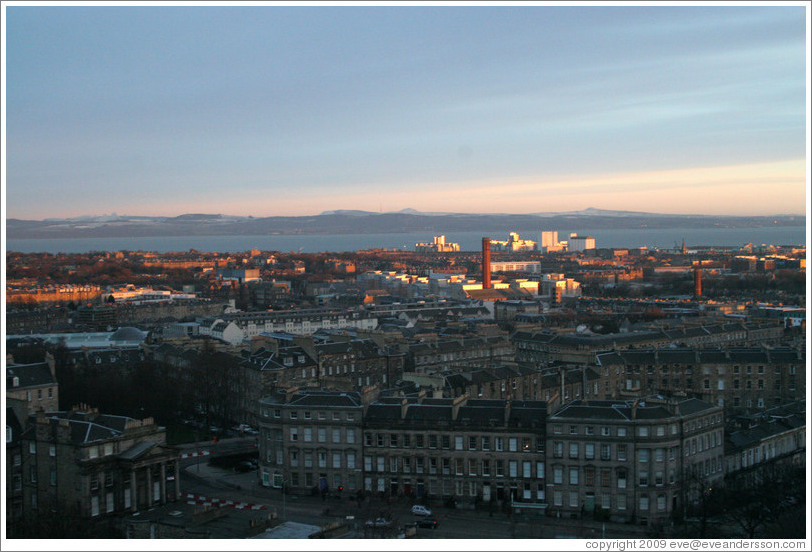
15,382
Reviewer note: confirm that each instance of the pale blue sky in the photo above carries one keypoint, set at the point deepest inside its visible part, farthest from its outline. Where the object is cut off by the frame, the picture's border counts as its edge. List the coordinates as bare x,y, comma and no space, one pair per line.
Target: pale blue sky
269,110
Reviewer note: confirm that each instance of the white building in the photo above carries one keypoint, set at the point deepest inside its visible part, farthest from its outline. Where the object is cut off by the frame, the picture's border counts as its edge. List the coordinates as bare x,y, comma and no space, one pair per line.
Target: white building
580,243
439,245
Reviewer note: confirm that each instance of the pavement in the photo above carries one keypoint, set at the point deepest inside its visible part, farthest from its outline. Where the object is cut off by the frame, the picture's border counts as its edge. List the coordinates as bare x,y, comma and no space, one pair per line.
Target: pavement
247,490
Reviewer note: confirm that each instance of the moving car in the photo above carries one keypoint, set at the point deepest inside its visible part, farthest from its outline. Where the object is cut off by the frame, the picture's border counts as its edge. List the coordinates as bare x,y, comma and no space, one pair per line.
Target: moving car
428,523
420,510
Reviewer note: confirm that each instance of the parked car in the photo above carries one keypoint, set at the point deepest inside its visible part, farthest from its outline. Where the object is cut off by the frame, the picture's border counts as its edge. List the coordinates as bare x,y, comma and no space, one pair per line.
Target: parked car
245,466
378,522
420,510
428,523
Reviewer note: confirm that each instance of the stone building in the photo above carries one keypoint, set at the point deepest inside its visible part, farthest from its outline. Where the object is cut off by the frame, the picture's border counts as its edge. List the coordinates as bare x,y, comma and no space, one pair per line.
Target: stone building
33,384
637,460
466,451
310,440
96,464
737,378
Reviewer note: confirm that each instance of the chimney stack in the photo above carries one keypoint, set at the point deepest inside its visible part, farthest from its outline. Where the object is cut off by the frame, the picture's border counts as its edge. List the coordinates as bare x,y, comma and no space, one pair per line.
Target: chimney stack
486,263
697,283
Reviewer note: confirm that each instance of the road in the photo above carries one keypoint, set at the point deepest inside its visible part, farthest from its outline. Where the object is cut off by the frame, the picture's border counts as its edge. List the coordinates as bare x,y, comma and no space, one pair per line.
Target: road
200,479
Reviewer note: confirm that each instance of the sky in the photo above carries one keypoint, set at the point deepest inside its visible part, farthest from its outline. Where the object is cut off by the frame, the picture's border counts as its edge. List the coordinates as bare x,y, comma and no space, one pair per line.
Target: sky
268,110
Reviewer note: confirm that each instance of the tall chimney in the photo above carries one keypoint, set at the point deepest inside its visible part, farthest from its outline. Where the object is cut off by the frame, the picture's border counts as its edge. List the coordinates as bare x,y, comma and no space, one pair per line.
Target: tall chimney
697,283
486,263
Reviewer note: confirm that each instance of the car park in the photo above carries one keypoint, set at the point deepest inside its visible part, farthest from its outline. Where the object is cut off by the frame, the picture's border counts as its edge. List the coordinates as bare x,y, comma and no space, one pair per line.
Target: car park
420,510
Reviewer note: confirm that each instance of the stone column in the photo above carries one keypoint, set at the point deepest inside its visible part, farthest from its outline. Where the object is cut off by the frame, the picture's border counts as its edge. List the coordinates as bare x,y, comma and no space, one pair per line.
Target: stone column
149,486
133,492
163,482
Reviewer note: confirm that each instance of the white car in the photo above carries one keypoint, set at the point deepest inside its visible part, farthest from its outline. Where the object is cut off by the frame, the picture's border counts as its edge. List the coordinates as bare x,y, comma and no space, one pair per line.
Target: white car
419,510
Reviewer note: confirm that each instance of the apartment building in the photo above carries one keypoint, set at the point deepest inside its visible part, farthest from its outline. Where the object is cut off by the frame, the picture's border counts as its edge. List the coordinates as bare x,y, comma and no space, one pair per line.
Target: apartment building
637,460
738,378
465,451
311,439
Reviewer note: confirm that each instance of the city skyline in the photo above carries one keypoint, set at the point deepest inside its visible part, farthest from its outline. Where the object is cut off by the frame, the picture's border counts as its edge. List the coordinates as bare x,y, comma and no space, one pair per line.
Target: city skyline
267,110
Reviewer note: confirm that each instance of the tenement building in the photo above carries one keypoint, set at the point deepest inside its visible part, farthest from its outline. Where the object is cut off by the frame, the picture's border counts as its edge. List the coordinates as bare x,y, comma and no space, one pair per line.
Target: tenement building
311,439
738,378
639,460
465,451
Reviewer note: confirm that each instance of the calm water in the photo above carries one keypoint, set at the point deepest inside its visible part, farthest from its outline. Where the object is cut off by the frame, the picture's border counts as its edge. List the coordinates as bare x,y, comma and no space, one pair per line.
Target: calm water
469,241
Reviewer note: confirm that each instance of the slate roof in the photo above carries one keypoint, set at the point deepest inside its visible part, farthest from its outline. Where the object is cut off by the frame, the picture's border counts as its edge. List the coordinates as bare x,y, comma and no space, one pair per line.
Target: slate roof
29,375
326,399
622,410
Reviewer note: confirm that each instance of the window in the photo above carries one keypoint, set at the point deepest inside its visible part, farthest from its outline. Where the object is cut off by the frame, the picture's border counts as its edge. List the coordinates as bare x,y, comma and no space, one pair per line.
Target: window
589,451
573,476
540,470
446,440
393,439
621,453
605,431
336,435
606,477
499,443
621,479
294,415
471,466
350,436
306,414
458,442
513,467
573,430
558,475
643,455
621,502
643,479
526,469
621,432
644,503
661,502
52,450
513,444
294,434
432,441
322,459
606,452
308,459
308,435
658,478
558,449
294,459
322,435
336,460
486,443
573,450
642,431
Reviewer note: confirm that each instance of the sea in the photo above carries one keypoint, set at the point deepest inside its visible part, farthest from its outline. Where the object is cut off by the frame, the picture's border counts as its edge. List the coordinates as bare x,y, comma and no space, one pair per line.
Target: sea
657,238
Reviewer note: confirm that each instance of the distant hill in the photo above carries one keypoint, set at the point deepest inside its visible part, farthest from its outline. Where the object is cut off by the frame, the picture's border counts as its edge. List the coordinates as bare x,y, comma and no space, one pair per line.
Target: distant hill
364,222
